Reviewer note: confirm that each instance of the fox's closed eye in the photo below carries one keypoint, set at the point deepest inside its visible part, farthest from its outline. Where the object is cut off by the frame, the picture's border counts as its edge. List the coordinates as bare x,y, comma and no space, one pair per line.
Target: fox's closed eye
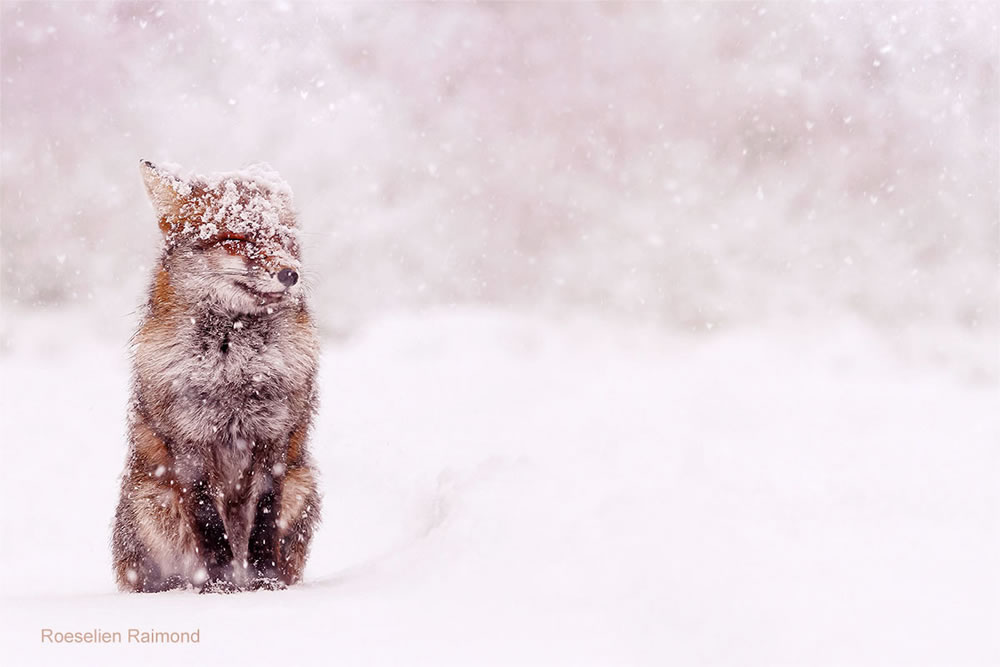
238,246
235,239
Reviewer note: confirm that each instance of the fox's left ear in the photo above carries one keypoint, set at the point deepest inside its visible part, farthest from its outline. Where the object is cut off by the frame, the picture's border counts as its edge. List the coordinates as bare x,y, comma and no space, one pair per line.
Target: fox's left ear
164,190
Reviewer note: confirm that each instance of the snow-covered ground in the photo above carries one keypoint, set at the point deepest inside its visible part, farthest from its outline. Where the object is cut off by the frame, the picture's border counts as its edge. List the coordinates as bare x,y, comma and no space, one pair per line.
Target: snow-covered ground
508,489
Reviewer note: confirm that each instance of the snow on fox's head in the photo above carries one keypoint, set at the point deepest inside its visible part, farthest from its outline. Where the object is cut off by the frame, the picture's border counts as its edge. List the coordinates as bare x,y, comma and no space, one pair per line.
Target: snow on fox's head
228,235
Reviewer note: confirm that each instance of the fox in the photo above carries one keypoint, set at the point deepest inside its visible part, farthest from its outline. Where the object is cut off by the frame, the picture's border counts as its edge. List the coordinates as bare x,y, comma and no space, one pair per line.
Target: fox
219,492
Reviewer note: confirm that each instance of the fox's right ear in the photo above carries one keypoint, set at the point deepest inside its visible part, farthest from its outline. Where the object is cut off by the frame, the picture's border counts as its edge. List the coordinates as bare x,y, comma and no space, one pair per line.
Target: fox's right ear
164,192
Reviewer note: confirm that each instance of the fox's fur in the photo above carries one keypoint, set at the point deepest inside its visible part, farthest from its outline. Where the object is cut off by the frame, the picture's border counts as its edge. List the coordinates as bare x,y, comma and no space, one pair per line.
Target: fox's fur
218,491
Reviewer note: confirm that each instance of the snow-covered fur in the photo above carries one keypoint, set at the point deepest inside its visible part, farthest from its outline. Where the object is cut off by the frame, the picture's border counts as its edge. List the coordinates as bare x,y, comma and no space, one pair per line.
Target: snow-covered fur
218,490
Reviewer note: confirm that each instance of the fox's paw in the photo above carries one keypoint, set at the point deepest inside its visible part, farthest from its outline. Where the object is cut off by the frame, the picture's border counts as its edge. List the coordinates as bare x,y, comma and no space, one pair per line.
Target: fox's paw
219,586
171,583
267,584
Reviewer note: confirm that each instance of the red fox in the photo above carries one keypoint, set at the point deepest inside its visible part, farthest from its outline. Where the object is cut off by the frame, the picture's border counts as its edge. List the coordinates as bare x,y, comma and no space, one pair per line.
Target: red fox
218,491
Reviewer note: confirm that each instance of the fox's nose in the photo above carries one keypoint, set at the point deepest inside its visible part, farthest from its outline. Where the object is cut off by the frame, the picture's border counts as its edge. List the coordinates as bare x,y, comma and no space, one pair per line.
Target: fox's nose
287,277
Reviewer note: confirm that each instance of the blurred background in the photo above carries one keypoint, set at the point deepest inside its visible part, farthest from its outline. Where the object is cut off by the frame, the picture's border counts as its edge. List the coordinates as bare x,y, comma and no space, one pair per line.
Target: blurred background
696,166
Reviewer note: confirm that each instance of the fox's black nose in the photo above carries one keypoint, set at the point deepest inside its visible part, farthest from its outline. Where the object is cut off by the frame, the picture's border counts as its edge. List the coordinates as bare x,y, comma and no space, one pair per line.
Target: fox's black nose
287,277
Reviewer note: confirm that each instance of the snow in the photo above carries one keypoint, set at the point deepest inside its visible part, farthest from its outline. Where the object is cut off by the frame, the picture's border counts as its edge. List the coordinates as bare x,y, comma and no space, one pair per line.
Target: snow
506,488
258,176
253,202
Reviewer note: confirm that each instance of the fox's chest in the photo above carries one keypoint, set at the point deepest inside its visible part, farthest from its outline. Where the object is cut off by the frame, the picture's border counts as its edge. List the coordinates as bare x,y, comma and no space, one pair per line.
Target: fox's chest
238,380
241,358
244,370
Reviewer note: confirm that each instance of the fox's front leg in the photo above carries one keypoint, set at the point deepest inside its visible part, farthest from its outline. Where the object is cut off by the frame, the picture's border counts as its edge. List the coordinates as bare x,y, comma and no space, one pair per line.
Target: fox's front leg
283,527
262,553
213,543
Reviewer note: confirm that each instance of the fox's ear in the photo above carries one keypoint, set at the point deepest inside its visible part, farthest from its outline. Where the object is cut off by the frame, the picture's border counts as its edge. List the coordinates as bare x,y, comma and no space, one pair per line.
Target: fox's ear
164,190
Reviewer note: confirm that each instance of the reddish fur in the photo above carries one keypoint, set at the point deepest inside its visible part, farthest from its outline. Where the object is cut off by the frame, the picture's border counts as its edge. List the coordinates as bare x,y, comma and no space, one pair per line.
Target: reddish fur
295,444
149,448
299,498
162,297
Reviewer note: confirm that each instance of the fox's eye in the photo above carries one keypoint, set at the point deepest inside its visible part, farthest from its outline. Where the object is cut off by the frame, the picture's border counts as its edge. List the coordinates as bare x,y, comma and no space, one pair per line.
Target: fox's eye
237,245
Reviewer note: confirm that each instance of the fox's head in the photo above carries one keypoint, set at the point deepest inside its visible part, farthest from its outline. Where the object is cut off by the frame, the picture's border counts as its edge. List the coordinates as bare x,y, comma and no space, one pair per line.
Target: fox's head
229,237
